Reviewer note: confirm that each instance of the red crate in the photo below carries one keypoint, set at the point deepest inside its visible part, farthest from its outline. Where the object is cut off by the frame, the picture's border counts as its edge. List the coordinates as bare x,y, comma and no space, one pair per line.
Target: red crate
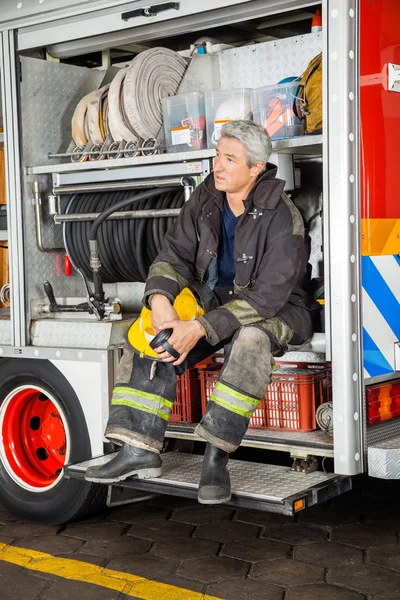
187,405
291,399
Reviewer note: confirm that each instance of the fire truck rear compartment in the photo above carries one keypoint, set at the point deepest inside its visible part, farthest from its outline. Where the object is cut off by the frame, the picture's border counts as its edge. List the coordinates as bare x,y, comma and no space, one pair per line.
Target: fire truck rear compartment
144,234
46,125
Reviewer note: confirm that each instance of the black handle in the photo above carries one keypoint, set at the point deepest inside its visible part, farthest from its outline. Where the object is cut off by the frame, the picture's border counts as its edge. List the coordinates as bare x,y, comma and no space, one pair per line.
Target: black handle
48,288
150,11
160,338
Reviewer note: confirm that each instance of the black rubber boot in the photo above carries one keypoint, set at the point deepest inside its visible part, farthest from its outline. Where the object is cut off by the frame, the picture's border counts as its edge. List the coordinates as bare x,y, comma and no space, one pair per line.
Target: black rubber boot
215,484
129,462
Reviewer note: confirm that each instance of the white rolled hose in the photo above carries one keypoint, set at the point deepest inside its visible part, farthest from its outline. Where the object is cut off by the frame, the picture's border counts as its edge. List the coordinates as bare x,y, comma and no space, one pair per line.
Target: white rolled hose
152,75
86,118
94,115
118,128
79,132
130,107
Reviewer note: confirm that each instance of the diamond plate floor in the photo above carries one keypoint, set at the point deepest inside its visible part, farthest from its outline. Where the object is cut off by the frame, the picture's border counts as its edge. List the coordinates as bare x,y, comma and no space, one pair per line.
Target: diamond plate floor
248,479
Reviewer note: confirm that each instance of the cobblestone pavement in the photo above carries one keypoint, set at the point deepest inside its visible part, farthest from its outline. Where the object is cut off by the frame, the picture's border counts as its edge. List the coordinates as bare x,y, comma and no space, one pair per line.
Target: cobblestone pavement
345,550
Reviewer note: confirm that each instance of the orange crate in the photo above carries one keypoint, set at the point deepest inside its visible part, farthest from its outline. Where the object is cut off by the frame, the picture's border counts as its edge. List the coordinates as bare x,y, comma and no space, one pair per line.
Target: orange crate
290,401
187,405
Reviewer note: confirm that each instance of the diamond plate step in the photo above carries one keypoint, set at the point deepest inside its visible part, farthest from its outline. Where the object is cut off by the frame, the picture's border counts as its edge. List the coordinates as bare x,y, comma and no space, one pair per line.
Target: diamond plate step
384,459
254,485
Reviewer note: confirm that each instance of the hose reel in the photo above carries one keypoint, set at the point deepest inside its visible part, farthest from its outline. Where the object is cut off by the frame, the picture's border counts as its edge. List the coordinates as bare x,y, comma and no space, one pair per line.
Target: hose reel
126,247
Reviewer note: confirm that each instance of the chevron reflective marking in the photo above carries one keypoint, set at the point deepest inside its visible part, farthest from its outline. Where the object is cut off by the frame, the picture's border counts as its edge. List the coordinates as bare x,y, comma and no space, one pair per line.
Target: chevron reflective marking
380,293
378,330
389,270
381,313
374,362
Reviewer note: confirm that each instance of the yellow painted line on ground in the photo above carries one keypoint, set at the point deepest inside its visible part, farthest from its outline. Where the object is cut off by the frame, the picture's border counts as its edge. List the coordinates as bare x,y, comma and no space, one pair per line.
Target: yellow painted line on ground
131,585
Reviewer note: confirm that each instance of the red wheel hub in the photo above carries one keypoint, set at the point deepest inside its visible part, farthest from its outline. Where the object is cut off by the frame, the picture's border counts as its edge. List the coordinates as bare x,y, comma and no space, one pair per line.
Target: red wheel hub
34,438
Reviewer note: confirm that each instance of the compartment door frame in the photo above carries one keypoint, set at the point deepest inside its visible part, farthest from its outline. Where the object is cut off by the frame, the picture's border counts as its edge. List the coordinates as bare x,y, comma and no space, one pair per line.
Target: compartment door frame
10,81
110,29
342,194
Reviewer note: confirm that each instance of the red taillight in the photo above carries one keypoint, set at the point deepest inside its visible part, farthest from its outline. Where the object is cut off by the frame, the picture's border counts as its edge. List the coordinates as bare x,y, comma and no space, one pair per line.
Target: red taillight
383,402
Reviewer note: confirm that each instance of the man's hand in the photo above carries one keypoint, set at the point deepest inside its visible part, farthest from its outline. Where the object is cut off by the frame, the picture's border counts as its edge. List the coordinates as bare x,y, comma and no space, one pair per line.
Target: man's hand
161,311
185,336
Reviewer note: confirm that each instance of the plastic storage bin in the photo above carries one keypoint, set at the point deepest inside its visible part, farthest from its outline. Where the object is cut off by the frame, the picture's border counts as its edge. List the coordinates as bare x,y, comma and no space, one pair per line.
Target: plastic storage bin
222,107
187,405
185,122
291,399
273,109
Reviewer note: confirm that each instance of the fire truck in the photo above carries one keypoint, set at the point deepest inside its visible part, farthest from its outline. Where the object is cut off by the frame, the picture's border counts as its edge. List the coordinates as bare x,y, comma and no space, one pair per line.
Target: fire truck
61,341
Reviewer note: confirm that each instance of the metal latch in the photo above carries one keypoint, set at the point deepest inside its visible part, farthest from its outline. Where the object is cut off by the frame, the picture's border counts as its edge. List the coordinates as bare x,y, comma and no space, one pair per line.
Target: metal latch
393,77
150,11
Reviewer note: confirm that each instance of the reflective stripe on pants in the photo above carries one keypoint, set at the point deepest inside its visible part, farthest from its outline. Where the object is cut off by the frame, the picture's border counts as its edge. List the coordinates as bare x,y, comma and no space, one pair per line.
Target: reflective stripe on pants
233,400
150,403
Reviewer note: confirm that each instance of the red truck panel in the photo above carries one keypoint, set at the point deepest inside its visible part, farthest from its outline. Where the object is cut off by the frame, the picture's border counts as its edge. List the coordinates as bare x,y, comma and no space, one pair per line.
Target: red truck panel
380,127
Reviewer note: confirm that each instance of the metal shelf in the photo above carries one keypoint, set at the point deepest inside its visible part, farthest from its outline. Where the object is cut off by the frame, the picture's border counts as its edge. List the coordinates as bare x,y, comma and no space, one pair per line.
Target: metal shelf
310,145
316,443
305,145
115,163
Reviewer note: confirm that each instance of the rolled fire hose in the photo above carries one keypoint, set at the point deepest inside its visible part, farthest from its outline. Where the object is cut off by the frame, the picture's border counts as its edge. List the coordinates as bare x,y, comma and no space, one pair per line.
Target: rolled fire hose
119,130
152,75
104,125
87,118
79,133
94,115
130,108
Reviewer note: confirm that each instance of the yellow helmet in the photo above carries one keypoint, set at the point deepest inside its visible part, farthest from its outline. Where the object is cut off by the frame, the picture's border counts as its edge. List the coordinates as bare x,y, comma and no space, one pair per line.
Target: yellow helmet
141,331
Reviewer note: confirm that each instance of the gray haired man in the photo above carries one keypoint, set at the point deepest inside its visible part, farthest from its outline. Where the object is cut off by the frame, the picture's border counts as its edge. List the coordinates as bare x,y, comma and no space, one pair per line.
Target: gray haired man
242,237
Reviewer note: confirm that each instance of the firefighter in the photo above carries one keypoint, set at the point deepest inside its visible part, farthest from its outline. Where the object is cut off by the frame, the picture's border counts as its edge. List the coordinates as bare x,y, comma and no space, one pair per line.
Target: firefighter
240,237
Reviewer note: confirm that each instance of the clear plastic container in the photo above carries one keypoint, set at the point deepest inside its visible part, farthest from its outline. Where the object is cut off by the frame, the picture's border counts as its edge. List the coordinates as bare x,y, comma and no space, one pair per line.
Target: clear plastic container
185,122
273,109
222,107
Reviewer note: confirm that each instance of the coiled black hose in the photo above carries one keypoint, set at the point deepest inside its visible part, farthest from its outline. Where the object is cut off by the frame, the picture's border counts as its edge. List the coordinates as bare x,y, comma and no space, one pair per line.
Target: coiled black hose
127,247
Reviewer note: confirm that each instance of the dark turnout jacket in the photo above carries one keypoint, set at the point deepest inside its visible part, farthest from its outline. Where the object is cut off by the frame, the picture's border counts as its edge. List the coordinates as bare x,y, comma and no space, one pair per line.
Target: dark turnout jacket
270,253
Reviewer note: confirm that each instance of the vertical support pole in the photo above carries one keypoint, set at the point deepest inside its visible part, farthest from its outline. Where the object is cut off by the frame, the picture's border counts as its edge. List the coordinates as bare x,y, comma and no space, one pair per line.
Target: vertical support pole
9,72
342,119
325,171
106,59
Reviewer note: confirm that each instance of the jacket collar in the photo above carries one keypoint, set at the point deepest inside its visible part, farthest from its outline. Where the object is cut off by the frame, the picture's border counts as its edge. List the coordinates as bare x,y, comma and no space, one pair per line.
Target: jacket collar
265,194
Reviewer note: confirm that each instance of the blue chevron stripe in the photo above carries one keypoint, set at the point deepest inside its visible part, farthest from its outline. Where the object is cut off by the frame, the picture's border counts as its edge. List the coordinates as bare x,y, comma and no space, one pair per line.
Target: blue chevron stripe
381,295
397,258
374,361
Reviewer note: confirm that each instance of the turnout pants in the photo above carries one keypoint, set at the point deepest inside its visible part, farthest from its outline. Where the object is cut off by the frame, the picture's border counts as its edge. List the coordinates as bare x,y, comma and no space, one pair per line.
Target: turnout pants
140,406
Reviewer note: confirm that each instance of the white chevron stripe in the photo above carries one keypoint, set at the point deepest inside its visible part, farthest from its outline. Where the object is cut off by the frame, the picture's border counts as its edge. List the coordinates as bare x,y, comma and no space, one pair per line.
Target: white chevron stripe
378,329
389,268
366,374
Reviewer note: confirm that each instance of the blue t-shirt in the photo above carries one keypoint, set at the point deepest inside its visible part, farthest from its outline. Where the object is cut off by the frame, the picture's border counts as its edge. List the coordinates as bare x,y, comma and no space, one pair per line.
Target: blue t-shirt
226,261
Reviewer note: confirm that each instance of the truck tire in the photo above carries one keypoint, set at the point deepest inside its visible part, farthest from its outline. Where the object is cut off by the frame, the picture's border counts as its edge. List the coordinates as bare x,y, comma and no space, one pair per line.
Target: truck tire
42,427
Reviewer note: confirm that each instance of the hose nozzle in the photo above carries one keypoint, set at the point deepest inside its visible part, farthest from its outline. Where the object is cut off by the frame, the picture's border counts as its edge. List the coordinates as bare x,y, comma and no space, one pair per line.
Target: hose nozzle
95,263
